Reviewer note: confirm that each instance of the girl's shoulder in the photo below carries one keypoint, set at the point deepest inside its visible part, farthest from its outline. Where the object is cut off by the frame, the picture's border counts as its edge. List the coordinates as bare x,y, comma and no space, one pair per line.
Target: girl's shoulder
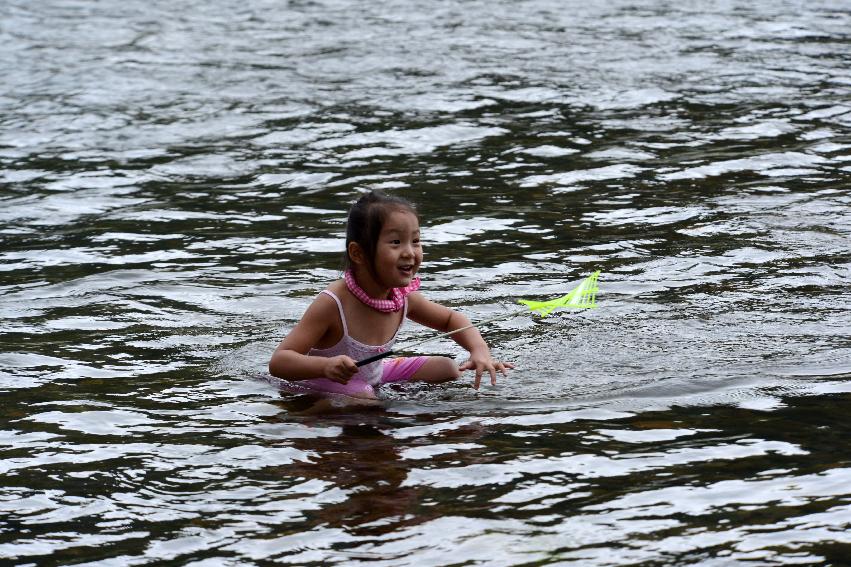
337,287
417,302
325,303
415,297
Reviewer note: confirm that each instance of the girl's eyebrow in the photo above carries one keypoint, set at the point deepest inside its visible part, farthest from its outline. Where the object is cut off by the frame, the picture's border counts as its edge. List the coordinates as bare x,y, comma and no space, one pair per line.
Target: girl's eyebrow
400,231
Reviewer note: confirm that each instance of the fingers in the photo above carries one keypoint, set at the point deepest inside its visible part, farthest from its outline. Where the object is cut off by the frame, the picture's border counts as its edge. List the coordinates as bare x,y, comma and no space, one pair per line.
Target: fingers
340,369
350,366
502,367
481,367
339,378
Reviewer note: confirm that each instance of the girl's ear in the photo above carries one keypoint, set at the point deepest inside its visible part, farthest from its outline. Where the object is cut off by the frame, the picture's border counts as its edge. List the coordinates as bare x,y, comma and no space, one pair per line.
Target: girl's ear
356,253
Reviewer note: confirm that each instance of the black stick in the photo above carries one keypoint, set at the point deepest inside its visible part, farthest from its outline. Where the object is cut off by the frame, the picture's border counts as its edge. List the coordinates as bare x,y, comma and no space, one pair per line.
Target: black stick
373,358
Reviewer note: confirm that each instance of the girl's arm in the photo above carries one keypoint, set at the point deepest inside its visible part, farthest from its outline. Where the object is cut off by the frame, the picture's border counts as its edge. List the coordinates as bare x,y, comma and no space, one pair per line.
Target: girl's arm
443,319
290,359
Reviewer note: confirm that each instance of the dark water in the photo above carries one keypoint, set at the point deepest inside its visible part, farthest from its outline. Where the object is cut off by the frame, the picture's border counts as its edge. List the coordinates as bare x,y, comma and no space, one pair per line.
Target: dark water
173,185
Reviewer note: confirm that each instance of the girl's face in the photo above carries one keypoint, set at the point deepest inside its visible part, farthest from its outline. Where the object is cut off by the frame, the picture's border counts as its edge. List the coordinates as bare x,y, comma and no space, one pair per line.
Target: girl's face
399,253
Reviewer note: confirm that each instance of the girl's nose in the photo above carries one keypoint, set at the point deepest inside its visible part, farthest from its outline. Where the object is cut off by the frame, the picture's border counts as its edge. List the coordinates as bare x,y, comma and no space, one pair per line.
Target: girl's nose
408,250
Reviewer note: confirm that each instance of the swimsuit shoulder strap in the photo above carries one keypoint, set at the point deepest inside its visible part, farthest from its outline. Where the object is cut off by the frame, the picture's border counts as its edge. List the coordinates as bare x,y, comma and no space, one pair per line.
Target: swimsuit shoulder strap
340,308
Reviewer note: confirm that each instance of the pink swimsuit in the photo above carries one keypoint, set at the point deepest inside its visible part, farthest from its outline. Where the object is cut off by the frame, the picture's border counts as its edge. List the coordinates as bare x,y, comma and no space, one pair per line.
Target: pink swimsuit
379,372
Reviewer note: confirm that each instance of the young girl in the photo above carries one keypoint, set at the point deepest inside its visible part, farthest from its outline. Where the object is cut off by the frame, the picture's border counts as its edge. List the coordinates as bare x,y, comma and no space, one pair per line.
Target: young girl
361,314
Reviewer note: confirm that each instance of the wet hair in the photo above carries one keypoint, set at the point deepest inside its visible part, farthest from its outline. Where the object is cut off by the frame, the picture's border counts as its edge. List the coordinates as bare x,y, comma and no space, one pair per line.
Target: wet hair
366,219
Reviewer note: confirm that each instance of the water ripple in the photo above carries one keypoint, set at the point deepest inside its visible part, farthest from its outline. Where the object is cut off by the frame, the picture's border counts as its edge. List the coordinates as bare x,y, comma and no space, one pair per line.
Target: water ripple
173,192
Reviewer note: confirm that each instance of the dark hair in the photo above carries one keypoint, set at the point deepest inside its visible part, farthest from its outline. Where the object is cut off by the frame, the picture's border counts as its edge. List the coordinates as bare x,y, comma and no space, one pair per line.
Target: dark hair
366,218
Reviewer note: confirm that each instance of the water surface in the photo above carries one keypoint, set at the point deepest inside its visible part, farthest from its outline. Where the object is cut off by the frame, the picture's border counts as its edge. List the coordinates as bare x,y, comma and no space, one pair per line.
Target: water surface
173,187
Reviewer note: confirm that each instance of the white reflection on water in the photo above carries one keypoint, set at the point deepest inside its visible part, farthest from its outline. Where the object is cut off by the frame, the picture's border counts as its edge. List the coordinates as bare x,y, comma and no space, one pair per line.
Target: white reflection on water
759,164
173,192
571,178
184,460
590,466
461,229
650,216
400,142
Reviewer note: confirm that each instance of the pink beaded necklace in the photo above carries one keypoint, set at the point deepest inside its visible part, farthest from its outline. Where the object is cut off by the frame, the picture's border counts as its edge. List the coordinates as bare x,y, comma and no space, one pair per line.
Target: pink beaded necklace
394,303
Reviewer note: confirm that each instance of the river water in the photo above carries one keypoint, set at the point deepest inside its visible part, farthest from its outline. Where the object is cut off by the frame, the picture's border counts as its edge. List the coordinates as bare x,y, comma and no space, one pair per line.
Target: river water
174,178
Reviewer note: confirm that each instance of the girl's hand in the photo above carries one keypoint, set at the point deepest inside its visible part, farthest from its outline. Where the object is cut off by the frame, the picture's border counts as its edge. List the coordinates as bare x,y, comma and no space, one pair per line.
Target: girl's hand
482,363
340,369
